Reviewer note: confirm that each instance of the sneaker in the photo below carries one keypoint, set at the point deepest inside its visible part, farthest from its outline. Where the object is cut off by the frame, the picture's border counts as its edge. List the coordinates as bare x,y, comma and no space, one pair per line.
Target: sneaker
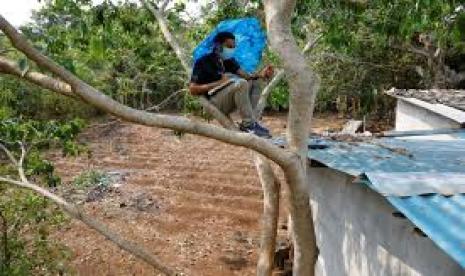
262,128
257,129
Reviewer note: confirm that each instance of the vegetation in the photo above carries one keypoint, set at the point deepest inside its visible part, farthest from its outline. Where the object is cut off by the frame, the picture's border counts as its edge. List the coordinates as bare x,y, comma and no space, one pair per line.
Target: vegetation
362,48
370,46
92,178
27,219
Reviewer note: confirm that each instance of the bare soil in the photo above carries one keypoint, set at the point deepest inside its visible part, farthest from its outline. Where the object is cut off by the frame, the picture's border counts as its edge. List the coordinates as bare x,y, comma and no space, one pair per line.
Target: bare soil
192,201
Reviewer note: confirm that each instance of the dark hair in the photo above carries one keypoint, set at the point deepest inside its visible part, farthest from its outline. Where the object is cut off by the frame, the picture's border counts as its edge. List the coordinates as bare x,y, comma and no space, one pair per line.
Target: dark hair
222,36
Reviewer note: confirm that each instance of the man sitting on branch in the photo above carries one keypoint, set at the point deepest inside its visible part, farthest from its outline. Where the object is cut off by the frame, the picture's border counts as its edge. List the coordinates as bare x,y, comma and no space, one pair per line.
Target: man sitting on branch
220,78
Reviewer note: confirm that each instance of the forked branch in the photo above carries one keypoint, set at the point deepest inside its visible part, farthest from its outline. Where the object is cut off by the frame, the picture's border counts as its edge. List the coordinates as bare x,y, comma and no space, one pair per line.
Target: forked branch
279,76
76,213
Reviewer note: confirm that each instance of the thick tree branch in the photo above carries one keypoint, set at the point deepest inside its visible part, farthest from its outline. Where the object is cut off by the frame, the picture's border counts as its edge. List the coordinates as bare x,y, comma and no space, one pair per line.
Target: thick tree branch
271,195
303,84
10,67
105,103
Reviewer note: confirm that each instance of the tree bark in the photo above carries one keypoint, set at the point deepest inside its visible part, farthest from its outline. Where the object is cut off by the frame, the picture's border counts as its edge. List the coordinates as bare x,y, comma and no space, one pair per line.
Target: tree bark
303,84
271,196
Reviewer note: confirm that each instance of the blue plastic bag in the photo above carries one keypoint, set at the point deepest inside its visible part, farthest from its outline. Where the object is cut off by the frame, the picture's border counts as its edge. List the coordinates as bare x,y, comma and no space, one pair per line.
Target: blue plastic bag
250,42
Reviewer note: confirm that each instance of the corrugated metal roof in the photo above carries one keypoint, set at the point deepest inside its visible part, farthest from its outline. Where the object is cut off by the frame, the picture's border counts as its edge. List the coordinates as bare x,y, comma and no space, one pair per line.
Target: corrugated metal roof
416,183
439,216
449,97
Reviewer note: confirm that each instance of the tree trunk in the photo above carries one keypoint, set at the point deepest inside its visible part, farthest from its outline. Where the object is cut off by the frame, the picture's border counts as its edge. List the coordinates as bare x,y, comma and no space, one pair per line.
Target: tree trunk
302,227
303,84
271,188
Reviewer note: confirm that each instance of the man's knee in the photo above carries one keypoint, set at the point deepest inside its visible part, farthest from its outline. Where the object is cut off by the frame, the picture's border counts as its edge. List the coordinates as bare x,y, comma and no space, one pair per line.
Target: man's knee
242,85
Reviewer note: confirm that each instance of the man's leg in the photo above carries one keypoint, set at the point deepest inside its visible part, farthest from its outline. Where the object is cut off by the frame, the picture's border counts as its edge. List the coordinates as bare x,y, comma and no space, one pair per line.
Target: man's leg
235,96
255,90
242,101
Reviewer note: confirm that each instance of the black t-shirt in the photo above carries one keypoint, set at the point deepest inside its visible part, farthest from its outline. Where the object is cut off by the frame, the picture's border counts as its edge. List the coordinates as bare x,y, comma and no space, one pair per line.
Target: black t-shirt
209,68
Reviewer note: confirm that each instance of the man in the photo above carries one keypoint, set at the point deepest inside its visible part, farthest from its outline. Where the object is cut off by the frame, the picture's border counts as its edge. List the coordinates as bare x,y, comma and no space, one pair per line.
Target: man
219,77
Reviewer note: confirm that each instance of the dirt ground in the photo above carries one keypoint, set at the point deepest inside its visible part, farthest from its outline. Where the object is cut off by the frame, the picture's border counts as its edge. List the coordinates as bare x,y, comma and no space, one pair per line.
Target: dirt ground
192,201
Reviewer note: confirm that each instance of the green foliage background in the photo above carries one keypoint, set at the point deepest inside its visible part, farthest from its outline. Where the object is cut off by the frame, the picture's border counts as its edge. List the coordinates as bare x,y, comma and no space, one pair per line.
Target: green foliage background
119,49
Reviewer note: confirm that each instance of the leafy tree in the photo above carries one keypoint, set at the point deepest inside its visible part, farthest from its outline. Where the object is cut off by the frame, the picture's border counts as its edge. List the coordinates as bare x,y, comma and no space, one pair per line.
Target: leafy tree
114,47
368,46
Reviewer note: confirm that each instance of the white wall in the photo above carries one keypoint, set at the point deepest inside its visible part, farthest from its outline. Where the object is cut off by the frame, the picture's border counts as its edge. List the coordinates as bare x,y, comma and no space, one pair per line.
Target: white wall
358,235
417,115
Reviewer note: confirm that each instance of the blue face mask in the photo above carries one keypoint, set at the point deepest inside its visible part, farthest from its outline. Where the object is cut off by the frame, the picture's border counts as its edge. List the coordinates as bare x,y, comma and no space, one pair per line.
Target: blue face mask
227,53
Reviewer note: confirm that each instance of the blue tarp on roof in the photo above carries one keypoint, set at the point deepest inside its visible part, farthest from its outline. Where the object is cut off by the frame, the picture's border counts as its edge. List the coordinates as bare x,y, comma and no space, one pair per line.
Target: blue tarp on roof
435,209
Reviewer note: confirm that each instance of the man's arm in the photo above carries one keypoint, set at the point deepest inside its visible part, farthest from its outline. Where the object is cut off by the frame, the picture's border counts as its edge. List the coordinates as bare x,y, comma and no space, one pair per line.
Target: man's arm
266,72
243,74
232,66
202,89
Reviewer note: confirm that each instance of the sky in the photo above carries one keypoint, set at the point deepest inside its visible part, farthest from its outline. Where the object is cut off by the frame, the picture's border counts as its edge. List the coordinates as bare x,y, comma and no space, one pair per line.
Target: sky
19,12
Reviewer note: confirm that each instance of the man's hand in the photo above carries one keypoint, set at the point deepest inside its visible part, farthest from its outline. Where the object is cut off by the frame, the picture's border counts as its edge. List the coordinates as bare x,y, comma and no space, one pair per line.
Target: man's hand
267,72
202,89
